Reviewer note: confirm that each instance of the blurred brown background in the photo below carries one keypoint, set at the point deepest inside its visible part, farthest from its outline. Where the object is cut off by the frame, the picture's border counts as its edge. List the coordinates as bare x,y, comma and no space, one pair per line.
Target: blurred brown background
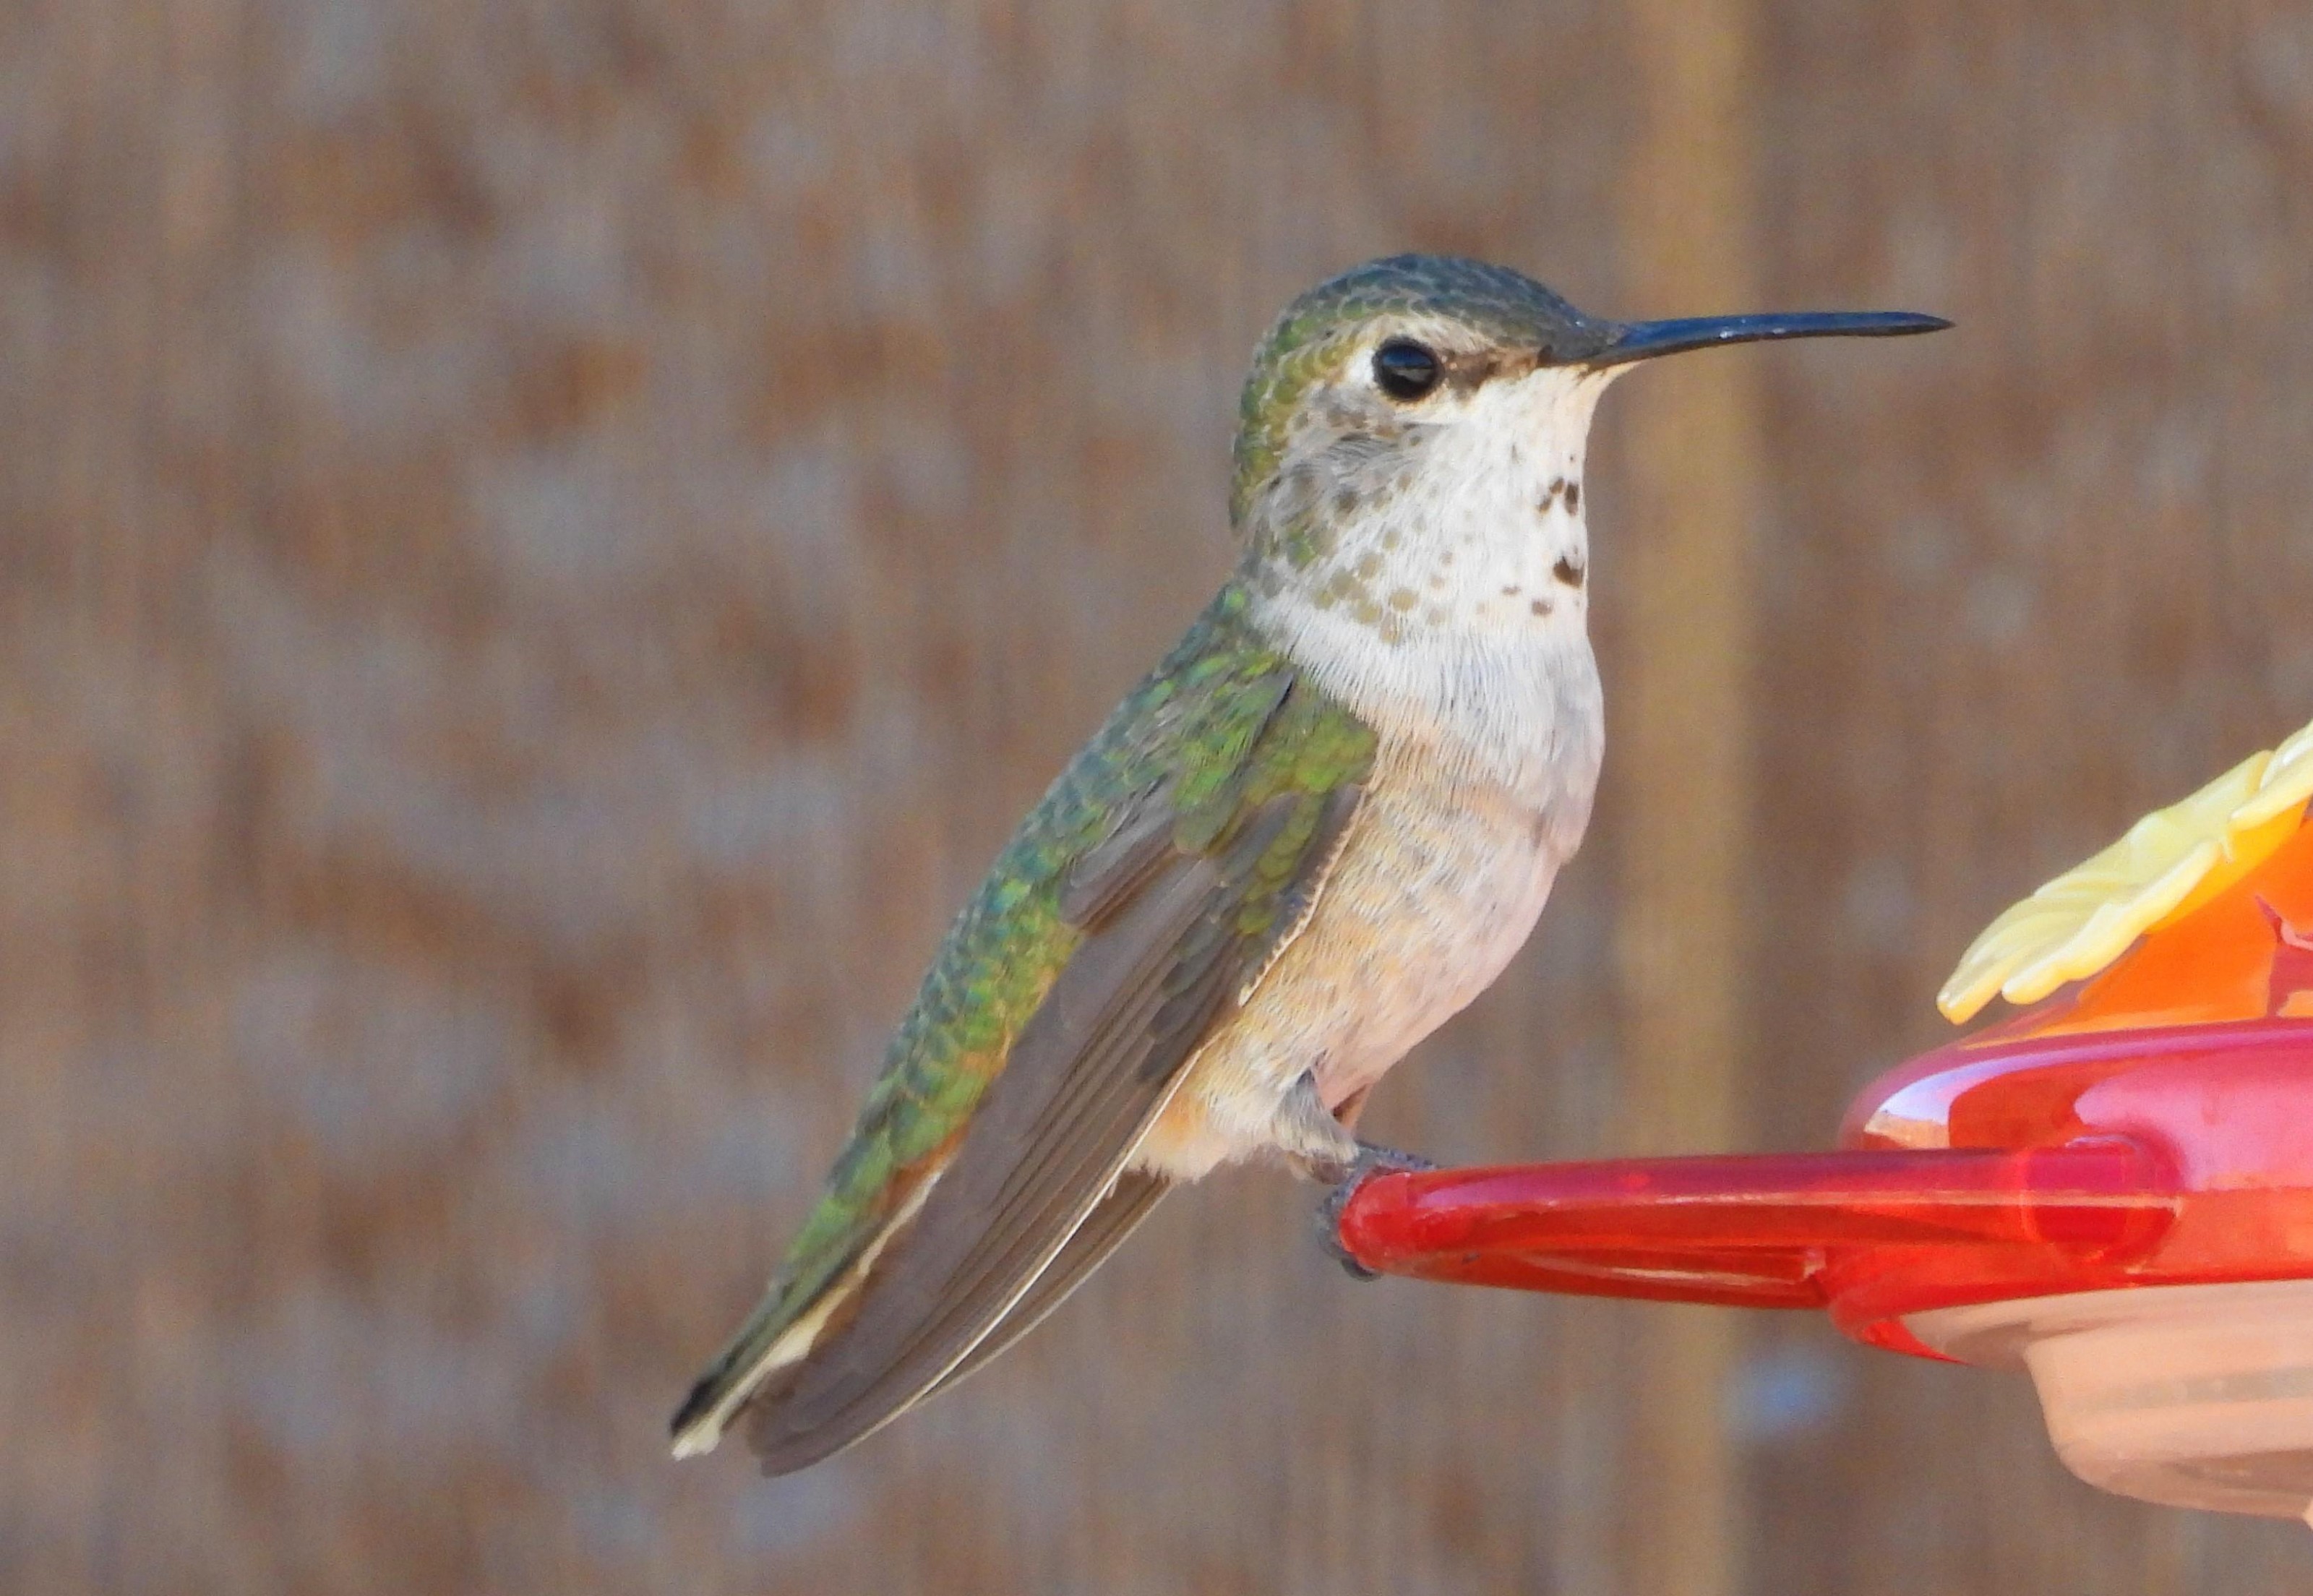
546,542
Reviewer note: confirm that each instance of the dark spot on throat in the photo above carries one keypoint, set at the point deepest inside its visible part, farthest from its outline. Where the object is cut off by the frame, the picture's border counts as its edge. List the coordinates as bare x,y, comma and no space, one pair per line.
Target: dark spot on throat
1540,606
1573,495
1568,572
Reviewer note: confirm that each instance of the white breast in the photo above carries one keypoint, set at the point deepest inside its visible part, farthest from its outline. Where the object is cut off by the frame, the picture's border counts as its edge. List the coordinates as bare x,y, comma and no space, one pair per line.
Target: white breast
1422,917
1466,822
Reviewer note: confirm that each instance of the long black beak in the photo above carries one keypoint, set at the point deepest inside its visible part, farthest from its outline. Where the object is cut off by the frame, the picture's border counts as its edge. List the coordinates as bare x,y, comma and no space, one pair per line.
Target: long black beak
1644,340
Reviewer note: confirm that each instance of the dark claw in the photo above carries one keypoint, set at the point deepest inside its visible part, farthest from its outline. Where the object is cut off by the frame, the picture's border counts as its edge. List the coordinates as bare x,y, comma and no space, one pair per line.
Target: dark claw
1370,1161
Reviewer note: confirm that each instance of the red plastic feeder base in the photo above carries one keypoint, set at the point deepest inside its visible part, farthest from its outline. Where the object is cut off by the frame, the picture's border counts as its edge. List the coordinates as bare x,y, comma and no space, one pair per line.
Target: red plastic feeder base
2094,1189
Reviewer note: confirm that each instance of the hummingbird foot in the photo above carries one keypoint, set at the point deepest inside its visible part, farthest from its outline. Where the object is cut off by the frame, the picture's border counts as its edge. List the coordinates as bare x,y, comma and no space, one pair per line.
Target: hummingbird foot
1320,1147
1370,1161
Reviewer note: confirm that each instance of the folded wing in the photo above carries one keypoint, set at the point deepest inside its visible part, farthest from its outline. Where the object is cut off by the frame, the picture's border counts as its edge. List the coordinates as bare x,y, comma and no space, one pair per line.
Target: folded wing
1194,834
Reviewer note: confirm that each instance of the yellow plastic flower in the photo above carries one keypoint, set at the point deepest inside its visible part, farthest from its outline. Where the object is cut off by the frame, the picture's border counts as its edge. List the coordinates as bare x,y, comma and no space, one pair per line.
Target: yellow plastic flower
2170,863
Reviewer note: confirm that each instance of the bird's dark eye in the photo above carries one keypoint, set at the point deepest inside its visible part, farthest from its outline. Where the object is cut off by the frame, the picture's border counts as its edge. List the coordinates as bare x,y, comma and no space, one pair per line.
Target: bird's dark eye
1405,370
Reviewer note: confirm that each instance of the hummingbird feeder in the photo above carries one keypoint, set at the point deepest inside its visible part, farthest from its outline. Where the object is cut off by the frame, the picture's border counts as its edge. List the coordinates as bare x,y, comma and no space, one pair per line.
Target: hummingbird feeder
2113,1188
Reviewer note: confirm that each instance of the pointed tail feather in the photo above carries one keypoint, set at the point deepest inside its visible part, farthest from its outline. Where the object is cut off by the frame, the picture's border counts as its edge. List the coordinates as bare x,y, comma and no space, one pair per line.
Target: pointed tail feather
764,1347
782,1446
777,1338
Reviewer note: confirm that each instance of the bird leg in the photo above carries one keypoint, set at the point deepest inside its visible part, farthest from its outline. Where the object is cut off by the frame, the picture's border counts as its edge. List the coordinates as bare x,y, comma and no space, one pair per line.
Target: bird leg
1321,1147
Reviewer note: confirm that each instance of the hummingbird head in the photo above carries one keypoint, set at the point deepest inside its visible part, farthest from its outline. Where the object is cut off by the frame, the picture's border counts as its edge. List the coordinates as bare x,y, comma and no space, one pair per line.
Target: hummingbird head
1410,444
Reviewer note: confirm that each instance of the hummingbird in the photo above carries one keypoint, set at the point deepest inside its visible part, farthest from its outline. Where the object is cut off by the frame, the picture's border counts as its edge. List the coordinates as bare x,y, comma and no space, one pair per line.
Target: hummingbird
1319,828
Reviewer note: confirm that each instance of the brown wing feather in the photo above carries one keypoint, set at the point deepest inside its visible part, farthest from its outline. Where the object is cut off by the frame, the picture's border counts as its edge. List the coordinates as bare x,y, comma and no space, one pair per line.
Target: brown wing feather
1104,1230
1088,1075
1075,1095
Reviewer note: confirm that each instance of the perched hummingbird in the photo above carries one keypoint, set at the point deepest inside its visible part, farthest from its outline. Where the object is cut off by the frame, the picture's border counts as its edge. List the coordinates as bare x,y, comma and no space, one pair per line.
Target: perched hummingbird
1318,829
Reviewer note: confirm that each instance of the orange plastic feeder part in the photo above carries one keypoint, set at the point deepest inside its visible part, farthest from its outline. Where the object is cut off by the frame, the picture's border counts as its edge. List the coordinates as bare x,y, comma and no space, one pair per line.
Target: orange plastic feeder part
2114,1188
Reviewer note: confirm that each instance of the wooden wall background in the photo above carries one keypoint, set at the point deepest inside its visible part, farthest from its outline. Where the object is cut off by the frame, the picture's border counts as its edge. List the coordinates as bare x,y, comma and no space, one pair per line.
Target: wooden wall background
546,544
